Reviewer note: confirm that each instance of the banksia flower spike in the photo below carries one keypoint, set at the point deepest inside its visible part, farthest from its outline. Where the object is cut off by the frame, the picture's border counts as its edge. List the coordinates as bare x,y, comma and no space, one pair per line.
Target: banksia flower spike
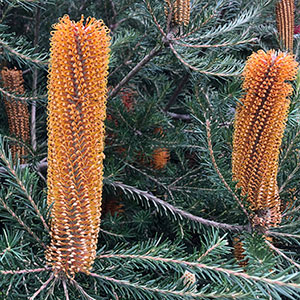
160,158
285,22
77,110
238,251
258,130
17,111
180,11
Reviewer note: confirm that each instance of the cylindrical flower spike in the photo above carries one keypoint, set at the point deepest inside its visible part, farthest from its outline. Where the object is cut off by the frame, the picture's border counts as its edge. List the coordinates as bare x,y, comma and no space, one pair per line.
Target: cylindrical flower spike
258,130
285,22
77,110
180,10
17,111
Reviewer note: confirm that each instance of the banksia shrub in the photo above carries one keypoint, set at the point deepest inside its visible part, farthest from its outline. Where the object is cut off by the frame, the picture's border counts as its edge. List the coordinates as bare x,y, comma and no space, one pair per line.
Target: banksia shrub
17,111
259,125
180,10
285,22
77,110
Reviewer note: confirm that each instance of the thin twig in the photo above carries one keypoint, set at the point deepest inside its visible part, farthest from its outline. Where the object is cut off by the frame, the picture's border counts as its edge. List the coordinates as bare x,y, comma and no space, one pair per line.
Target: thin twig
282,254
19,220
204,266
182,294
13,272
199,70
34,77
208,251
23,188
21,98
208,132
177,211
143,62
42,287
291,175
81,290
216,45
65,289
22,56
291,145
178,90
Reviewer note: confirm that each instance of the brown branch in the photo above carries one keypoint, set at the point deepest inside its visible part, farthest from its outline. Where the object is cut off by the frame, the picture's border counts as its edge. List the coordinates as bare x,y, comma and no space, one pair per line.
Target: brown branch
14,272
216,45
181,213
177,91
204,266
81,290
65,289
182,294
44,285
20,98
142,63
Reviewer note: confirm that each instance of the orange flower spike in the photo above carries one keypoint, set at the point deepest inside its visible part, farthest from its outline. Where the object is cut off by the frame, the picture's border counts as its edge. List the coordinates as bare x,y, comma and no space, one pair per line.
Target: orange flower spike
259,126
160,158
77,110
180,11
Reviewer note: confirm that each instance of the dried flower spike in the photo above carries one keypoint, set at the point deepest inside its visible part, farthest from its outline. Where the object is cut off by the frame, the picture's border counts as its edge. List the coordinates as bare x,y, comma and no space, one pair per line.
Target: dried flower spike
17,111
77,110
258,130
238,251
285,22
180,10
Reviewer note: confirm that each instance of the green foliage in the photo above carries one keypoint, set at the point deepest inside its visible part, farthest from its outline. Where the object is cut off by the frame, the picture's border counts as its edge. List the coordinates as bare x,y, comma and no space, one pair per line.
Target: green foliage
181,85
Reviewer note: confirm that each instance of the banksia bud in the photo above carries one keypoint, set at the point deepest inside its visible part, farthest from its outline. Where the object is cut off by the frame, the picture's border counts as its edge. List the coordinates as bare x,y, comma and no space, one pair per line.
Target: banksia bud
160,158
17,111
238,251
258,130
180,10
285,22
189,279
77,109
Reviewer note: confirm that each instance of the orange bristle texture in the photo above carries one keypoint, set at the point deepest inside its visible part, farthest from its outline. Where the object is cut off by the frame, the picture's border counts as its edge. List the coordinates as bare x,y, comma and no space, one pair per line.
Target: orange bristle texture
285,23
160,158
238,251
17,112
180,10
258,130
77,110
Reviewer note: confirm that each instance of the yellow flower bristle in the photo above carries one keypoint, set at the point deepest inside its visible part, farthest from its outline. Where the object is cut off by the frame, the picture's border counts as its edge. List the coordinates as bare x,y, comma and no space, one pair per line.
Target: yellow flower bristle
285,22
180,10
17,111
258,130
77,110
